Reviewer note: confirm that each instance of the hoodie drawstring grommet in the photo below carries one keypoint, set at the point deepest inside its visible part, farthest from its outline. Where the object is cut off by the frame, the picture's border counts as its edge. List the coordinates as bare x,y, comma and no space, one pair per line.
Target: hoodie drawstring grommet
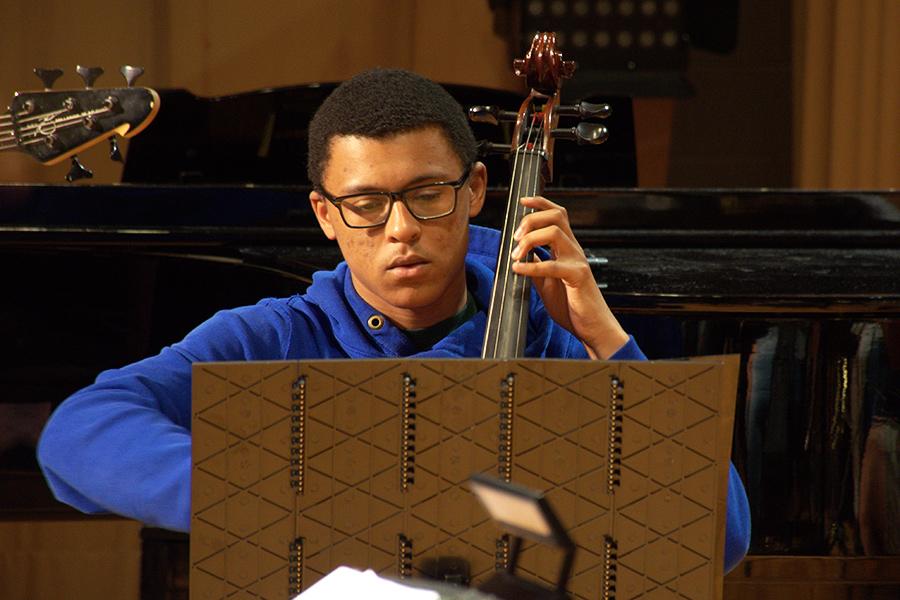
375,322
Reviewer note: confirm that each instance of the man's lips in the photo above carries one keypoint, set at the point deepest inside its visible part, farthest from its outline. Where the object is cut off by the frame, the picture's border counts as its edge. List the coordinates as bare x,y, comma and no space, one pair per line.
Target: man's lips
406,262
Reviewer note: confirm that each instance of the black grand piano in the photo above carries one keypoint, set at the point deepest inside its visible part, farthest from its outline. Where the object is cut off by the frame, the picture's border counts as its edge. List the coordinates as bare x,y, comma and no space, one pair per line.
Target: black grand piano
804,285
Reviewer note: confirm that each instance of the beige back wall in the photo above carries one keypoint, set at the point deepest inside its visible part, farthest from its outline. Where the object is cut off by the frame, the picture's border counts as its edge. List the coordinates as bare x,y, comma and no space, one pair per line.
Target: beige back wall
847,94
843,51
226,46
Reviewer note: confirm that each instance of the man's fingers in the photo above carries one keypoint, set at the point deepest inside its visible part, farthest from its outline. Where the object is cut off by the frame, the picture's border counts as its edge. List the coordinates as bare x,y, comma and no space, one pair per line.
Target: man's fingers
547,214
570,272
553,236
538,202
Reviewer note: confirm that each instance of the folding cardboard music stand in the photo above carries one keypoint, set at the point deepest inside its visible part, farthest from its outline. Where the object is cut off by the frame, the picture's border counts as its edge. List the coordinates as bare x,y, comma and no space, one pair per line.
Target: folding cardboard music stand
303,466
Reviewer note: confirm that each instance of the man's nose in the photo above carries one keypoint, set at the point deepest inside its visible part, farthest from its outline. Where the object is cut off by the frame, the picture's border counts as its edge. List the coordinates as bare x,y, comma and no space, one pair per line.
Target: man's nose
402,225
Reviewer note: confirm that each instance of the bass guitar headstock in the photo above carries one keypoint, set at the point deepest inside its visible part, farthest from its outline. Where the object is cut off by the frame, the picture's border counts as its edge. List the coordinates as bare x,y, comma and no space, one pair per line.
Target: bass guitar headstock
53,125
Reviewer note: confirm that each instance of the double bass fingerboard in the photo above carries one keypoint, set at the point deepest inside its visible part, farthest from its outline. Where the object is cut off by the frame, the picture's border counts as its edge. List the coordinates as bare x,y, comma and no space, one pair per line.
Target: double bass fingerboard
507,319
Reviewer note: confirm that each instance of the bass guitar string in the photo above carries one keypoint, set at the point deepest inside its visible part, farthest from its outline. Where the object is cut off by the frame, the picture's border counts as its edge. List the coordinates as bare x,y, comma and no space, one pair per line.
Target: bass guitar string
43,117
31,134
6,131
23,118
64,121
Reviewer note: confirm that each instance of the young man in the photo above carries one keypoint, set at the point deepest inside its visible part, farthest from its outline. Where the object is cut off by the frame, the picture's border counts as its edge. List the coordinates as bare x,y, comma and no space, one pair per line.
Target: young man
395,176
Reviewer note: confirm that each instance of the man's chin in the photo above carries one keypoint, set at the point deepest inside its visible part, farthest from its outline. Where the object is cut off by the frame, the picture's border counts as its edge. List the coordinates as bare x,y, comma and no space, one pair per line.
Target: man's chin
412,299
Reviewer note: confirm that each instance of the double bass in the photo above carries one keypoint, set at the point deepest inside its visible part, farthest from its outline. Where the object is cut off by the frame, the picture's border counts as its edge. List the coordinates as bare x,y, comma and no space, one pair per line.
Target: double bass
531,153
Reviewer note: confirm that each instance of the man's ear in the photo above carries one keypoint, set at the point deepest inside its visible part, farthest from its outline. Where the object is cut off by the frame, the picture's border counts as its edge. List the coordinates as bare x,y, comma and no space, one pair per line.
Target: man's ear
477,184
320,205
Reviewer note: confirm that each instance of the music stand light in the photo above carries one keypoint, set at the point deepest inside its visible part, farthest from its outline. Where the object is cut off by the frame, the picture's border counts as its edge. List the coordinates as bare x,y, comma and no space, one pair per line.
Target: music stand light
524,513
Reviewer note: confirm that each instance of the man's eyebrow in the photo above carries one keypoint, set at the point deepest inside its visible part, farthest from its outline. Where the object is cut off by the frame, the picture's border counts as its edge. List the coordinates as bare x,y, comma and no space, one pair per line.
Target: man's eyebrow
426,178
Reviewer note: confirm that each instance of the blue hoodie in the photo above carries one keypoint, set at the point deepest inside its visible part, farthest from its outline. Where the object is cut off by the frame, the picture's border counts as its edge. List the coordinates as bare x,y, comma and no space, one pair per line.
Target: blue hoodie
123,444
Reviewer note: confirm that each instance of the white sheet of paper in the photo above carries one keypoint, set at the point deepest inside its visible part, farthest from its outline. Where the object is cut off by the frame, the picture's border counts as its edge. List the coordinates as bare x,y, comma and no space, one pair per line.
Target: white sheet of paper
345,582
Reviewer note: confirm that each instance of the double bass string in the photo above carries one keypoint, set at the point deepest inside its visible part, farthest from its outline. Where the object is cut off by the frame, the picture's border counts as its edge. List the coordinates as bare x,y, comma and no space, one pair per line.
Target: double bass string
534,183
511,220
496,308
536,175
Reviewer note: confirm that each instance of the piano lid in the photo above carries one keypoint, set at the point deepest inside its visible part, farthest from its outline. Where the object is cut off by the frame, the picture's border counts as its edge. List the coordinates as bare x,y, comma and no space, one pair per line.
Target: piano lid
701,217
678,250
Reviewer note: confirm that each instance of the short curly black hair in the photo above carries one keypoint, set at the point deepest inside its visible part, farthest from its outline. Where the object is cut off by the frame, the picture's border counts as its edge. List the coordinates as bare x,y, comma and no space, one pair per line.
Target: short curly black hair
382,102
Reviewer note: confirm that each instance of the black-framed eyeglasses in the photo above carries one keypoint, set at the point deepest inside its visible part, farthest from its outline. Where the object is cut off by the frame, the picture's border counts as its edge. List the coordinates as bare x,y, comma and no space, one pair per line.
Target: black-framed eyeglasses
424,202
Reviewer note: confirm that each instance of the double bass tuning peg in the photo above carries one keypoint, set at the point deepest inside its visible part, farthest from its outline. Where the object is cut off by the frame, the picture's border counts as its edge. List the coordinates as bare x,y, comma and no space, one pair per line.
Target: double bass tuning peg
583,133
486,148
491,114
585,110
